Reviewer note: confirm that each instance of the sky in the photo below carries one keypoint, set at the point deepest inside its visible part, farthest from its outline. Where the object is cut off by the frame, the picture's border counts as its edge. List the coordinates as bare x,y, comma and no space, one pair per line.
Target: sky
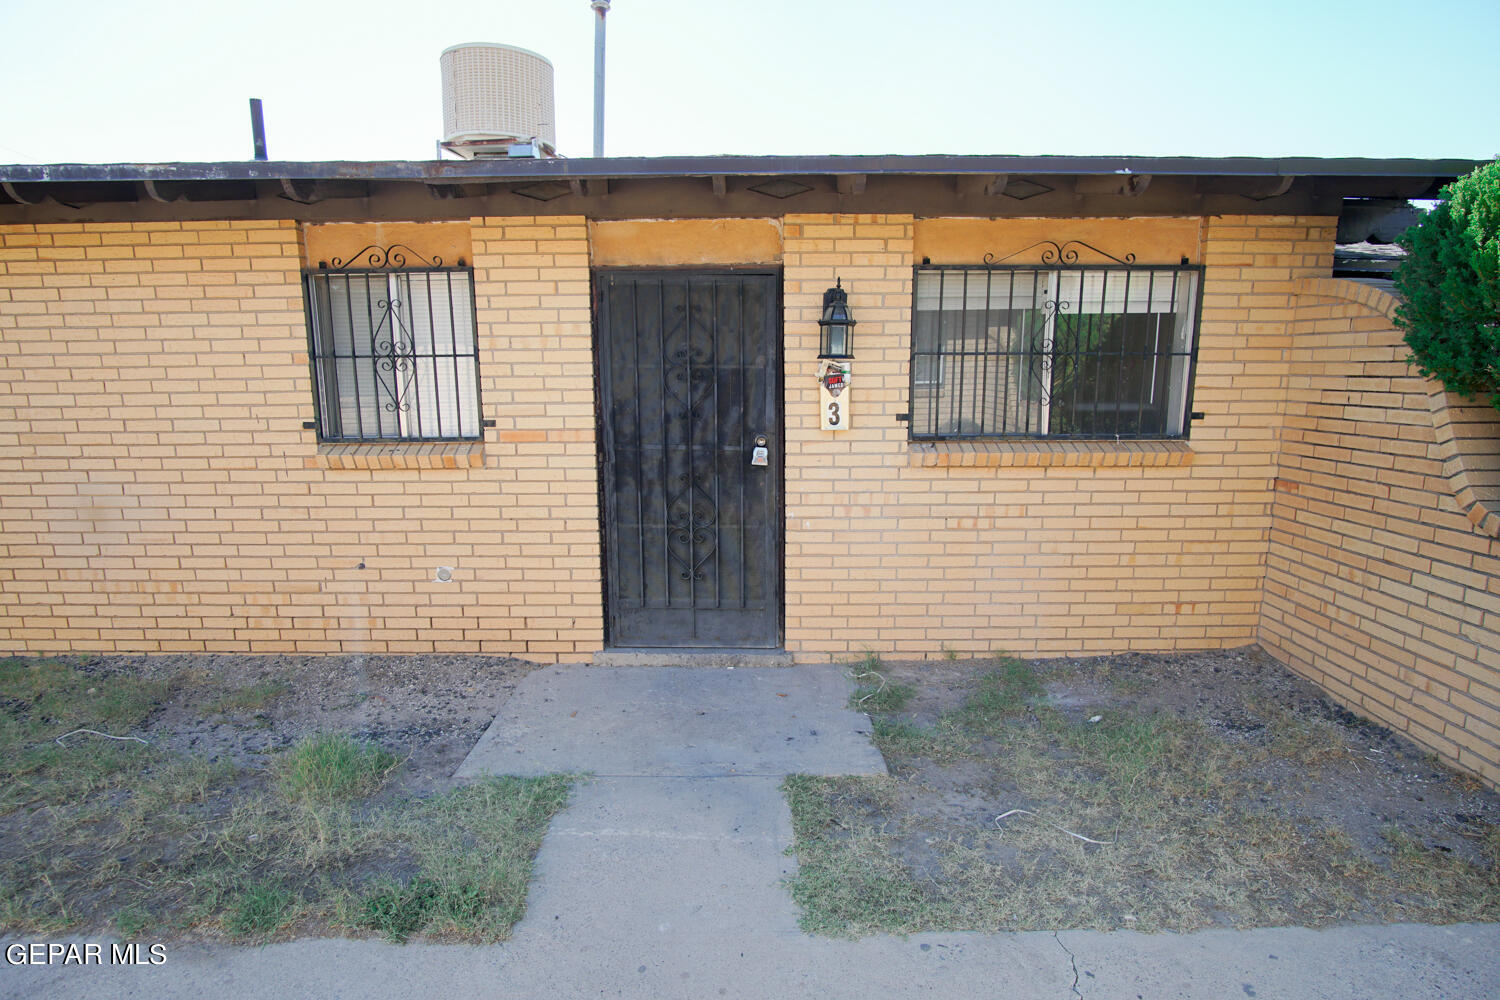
121,81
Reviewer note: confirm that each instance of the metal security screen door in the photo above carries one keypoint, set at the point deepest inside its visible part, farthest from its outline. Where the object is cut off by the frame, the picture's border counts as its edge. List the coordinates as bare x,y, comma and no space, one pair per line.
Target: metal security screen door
689,381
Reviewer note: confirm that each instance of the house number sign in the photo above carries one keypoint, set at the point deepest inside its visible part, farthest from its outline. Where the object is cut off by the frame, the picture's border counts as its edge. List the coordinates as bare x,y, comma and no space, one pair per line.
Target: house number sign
833,394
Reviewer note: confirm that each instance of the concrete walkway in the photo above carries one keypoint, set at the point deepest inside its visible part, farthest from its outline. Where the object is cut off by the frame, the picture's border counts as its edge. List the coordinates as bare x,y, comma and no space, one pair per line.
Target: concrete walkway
663,878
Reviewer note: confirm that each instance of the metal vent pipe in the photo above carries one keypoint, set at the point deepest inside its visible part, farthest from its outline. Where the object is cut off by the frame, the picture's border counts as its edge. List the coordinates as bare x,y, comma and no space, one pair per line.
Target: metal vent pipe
601,7
258,128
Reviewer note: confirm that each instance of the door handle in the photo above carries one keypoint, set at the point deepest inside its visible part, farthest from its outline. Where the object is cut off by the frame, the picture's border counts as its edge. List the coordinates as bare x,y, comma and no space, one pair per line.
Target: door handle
759,455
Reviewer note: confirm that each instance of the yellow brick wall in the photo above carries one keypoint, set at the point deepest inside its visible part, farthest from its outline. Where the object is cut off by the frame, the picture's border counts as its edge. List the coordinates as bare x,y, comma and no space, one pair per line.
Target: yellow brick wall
162,494
159,492
1099,553
1379,587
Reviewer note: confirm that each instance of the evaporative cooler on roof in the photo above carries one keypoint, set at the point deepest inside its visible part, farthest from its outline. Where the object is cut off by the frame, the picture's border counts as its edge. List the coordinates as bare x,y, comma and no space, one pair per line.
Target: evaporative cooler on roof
497,101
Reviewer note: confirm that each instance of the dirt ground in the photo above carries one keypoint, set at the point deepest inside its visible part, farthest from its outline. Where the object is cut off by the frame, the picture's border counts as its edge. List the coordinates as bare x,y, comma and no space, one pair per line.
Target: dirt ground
1218,788
1154,792
1336,769
429,710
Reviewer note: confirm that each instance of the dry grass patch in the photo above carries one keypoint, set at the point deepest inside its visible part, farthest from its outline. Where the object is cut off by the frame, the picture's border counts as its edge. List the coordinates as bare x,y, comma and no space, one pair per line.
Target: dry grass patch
1023,806
97,832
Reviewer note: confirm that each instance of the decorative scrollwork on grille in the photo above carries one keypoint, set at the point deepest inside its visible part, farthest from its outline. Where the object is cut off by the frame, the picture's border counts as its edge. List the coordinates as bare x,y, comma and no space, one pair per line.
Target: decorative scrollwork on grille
1044,347
1055,253
397,255
396,355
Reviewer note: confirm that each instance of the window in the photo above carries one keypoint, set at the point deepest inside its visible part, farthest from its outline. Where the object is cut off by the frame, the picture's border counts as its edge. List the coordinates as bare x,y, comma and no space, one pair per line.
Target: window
1061,352
394,354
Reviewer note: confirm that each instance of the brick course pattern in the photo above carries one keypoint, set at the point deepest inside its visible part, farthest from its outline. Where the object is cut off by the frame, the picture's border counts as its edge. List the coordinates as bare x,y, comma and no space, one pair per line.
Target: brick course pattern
1380,585
160,493
1039,548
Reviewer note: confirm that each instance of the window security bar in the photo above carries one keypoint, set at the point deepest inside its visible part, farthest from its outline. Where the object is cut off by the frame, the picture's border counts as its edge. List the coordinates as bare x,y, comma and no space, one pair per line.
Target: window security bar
394,353
1060,351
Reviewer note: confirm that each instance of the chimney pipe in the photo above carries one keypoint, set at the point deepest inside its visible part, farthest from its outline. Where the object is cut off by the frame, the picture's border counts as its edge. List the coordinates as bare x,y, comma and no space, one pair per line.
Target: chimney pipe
258,129
602,8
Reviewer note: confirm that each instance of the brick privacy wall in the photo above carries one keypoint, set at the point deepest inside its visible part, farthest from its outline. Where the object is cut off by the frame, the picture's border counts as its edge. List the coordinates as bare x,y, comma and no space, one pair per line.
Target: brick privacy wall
1378,587
1086,557
160,494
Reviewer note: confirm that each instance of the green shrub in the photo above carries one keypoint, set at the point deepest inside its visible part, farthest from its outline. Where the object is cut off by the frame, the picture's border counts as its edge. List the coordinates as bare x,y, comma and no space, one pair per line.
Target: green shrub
1450,281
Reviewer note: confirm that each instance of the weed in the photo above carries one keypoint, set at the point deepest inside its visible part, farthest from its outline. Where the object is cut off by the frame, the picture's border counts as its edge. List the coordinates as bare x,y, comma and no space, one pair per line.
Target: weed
334,766
43,698
131,920
881,700
102,831
399,911
1197,828
1122,747
1311,742
248,699
260,910
896,738
1002,693
847,884
462,891
950,654
1489,840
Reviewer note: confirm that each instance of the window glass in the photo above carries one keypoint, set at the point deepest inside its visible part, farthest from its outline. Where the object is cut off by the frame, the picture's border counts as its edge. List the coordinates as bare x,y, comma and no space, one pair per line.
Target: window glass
1073,352
394,355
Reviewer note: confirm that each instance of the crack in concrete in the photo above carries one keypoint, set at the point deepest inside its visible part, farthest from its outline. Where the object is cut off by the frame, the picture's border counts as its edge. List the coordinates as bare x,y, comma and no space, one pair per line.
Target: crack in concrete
1071,961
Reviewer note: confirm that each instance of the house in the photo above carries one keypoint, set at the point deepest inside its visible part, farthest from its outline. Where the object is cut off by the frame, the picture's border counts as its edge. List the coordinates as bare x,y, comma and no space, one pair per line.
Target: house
548,407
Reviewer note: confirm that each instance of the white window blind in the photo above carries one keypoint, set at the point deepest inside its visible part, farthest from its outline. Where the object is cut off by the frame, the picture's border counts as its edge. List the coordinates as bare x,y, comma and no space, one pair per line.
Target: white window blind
395,355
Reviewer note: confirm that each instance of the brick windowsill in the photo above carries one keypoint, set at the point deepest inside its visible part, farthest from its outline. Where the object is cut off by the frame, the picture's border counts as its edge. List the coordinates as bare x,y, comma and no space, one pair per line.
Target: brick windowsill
1035,454
445,455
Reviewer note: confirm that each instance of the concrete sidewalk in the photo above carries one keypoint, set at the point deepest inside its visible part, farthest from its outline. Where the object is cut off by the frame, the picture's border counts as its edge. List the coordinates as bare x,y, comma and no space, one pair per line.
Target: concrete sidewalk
664,878
678,722
1410,962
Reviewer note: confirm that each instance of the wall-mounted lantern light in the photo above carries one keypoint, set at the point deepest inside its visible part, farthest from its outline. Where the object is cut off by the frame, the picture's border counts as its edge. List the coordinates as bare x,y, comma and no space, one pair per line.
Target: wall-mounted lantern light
836,326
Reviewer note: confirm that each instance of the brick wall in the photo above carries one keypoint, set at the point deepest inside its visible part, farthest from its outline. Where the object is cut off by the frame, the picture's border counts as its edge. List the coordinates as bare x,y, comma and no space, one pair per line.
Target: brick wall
223,524
1381,586
1043,548
160,493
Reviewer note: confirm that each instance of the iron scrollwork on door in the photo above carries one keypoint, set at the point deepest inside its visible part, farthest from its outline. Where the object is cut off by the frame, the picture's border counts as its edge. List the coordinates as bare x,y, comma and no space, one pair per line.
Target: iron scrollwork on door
687,378
692,511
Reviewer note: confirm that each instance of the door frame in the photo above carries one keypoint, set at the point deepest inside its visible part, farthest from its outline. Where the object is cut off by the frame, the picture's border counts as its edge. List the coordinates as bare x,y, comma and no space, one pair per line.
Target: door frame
778,350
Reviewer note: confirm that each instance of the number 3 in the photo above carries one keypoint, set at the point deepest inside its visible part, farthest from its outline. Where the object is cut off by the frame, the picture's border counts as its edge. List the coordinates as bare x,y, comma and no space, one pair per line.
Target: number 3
833,414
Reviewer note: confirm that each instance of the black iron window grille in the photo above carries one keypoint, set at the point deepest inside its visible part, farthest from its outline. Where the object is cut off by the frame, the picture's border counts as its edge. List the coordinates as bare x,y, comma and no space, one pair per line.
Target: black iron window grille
1064,350
393,349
